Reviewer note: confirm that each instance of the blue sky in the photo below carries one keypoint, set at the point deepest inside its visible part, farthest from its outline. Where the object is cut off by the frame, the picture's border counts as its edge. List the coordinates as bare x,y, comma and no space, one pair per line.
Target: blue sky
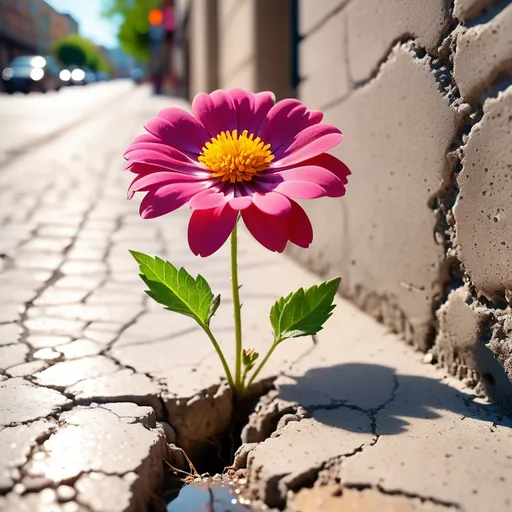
91,24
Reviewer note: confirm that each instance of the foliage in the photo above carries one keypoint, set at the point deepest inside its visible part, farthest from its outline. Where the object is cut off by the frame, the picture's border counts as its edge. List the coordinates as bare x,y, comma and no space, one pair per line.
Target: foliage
304,312
74,50
176,289
134,28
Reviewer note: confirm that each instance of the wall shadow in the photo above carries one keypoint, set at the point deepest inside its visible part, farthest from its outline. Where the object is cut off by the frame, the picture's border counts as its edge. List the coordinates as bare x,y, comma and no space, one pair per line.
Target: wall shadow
394,399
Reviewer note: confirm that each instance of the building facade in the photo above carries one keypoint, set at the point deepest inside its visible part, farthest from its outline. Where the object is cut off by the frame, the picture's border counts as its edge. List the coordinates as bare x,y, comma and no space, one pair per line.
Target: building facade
422,92
31,27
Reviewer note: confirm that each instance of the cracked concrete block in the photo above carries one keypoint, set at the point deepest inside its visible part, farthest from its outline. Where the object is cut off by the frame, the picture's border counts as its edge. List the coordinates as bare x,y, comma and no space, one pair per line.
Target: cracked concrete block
132,413
47,244
96,440
373,27
150,359
55,326
464,10
65,493
101,332
12,355
27,369
451,451
43,341
16,444
484,52
199,417
21,401
80,348
323,64
9,334
380,238
40,501
67,373
460,328
117,313
335,498
158,326
57,296
108,493
461,347
123,385
47,354
301,449
30,260
313,14
267,415
482,211
84,267
501,347
9,313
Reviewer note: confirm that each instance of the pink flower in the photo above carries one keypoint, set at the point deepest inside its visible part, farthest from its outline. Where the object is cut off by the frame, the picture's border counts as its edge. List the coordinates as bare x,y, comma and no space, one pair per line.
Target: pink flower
239,153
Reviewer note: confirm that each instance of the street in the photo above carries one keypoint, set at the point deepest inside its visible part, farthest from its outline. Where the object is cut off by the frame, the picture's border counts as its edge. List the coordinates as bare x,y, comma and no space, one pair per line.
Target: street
99,385
29,118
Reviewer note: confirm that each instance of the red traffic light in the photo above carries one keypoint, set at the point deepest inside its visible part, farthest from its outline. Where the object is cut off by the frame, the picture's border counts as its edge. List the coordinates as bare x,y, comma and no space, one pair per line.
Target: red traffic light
155,17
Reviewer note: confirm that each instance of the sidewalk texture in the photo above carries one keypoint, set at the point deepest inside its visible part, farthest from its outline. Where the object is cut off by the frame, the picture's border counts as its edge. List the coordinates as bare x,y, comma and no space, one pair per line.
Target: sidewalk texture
97,382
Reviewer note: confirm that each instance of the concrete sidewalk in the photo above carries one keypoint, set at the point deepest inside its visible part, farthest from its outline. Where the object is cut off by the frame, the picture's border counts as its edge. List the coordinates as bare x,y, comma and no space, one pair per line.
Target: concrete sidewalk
96,381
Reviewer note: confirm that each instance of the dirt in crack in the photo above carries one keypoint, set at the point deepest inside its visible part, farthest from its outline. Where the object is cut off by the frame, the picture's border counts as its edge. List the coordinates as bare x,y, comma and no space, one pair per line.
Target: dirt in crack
210,487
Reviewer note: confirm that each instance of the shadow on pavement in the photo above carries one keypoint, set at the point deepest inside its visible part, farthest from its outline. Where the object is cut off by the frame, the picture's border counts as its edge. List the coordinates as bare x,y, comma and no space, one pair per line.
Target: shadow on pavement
392,398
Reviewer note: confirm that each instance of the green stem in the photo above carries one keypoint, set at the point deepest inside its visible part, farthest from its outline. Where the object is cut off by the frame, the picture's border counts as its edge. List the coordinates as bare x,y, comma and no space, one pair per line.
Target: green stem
262,364
220,354
236,307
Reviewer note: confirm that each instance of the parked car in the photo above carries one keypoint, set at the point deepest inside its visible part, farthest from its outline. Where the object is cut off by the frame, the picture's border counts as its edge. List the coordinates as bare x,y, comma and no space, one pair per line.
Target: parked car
102,76
90,77
32,73
137,75
77,76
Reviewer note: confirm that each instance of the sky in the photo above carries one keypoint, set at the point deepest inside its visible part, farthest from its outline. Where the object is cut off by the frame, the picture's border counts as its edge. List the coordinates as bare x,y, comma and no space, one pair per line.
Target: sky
90,21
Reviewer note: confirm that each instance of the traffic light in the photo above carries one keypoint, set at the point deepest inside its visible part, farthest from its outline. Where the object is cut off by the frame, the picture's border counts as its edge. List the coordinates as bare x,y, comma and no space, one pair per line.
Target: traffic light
155,17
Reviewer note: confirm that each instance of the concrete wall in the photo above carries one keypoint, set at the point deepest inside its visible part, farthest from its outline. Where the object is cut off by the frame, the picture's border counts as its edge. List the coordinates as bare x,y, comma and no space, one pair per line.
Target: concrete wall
423,239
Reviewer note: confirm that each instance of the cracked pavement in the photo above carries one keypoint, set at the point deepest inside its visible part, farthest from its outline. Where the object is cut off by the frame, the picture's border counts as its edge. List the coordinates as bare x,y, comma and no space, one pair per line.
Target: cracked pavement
97,383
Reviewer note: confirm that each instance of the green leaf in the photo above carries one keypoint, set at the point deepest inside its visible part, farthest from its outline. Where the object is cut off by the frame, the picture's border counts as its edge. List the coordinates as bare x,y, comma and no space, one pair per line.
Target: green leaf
304,312
176,289
214,305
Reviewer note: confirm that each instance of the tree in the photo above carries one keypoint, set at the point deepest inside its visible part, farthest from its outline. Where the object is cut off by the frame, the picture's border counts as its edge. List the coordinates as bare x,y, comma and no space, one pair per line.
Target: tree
74,50
134,28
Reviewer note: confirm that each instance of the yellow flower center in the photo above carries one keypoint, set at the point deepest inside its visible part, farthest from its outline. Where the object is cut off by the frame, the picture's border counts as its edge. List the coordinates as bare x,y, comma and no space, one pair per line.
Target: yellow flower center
236,158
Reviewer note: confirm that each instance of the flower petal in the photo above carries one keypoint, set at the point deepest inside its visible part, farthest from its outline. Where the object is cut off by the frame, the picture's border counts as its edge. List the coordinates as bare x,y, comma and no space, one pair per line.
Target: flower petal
300,231
216,111
240,203
332,164
315,117
209,229
319,175
209,198
309,143
146,181
284,120
271,231
165,157
263,102
244,106
167,198
178,129
300,189
272,203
